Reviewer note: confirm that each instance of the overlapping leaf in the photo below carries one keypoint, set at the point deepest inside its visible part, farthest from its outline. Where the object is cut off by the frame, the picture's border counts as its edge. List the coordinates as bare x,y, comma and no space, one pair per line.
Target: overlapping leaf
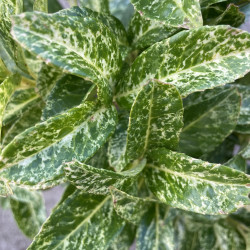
209,117
96,5
185,14
72,44
82,221
96,180
41,5
195,185
192,60
29,210
35,156
5,189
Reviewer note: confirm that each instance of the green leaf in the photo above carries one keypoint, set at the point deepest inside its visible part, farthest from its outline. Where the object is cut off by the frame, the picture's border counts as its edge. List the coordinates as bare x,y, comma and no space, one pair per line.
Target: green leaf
11,53
5,189
192,60
19,102
93,55
186,14
28,118
41,5
29,210
96,5
237,162
128,207
67,93
155,120
3,71
7,88
144,32
246,152
207,3
156,230
97,181
209,117
194,185
82,221
35,157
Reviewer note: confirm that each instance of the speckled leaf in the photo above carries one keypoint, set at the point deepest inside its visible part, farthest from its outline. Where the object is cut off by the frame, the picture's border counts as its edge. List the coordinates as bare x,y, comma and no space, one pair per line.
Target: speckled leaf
192,60
144,32
209,117
122,9
47,78
82,221
185,13
7,88
129,207
155,120
19,102
156,230
72,44
97,181
29,117
246,152
237,162
243,86
29,210
3,71
5,189
194,185
67,93
10,52
96,5
117,143
75,134
41,5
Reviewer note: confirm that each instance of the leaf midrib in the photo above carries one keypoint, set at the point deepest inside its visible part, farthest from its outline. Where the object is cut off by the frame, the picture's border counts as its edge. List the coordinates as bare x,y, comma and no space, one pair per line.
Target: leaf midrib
168,171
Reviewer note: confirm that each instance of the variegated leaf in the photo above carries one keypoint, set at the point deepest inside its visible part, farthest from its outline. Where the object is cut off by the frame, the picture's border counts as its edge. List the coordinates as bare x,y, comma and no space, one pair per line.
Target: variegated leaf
4,72
19,102
128,207
156,229
209,117
28,118
185,13
96,5
97,181
192,60
72,45
194,185
237,162
41,5
82,221
29,210
7,88
5,189
155,120
36,156
10,52
144,32
206,3
67,93
246,152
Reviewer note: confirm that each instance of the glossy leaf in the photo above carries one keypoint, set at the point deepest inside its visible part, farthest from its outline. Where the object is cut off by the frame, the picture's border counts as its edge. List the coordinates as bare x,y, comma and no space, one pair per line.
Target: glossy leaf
209,117
82,221
95,57
194,185
96,5
75,134
192,60
185,14
155,120
96,180
145,32
29,210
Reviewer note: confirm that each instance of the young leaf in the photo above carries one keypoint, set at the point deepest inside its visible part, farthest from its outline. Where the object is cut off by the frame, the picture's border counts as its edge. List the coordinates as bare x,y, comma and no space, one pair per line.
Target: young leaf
97,181
209,117
82,221
75,134
155,120
29,210
96,5
185,14
7,88
93,56
191,60
143,32
194,185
